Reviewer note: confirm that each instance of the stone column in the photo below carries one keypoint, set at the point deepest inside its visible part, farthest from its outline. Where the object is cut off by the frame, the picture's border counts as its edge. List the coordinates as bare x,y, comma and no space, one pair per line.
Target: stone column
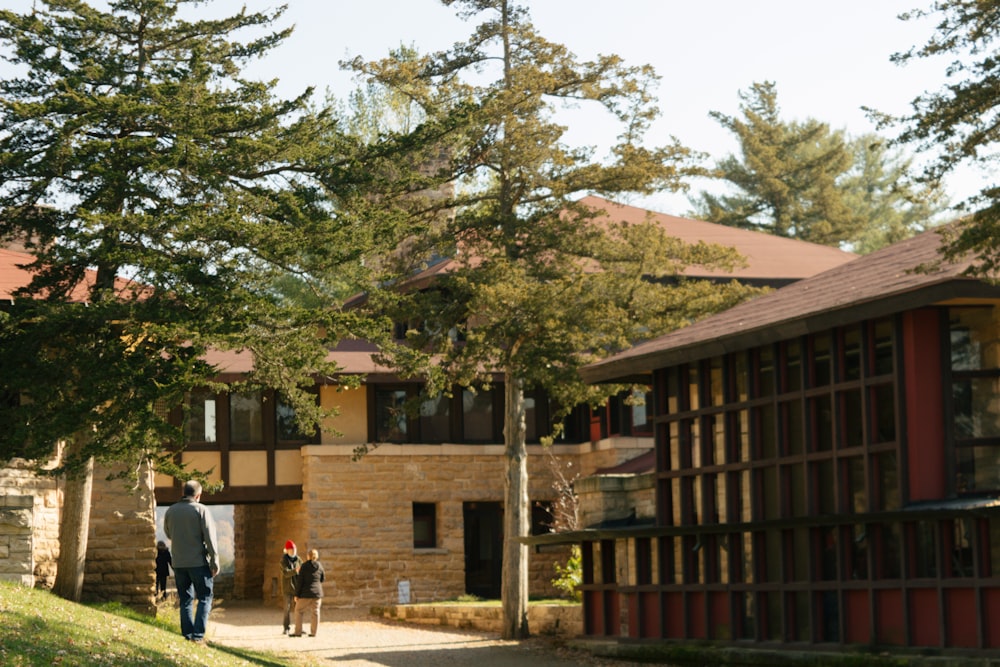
17,561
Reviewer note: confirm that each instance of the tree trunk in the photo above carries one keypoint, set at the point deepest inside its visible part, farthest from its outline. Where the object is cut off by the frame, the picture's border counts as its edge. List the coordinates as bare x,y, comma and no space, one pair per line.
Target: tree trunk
73,530
514,578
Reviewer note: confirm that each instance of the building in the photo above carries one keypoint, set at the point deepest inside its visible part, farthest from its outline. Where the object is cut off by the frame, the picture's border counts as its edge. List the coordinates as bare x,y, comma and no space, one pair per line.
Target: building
827,468
421,511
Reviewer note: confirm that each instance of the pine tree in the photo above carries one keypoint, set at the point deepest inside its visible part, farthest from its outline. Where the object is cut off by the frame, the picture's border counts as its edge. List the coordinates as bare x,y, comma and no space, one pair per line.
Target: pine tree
538,285
960,123
162,194
786,176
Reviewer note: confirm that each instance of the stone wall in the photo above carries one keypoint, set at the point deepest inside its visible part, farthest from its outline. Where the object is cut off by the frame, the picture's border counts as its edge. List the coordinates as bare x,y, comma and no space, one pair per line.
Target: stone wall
358,515
609,497
543,619
16,524
18,481
121,547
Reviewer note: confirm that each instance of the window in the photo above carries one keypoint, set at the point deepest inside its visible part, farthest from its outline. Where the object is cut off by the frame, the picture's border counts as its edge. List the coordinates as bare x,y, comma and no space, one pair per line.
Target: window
246,418
477,415
286,424
424,525
435,419
200,419
390,415
975,406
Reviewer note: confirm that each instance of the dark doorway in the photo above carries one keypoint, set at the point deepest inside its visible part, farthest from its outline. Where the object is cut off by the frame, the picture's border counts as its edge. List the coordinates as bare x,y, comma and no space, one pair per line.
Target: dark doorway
483,548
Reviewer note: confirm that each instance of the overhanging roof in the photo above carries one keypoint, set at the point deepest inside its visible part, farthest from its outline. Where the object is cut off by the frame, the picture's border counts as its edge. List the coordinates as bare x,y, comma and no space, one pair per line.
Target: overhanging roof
879,284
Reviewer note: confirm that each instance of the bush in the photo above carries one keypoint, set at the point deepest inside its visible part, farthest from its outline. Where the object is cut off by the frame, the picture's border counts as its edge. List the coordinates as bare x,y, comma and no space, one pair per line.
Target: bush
570,576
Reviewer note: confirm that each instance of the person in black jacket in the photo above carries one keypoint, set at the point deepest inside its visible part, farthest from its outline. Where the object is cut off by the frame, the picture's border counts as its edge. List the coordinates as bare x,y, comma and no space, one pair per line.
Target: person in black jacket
309,593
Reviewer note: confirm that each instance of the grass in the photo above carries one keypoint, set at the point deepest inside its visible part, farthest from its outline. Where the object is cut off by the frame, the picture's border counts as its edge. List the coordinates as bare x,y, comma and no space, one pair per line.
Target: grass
41,629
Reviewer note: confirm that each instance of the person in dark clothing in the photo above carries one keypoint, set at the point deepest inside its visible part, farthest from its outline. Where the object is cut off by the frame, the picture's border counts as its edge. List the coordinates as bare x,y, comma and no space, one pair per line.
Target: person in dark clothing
290,563
309,594
194,550
163,563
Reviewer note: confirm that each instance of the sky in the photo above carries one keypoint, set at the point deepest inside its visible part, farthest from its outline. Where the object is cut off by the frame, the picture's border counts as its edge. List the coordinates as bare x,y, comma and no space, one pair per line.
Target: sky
827,60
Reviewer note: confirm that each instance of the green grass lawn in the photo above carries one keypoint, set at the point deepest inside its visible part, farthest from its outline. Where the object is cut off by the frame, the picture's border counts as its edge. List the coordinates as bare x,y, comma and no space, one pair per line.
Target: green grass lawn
41,629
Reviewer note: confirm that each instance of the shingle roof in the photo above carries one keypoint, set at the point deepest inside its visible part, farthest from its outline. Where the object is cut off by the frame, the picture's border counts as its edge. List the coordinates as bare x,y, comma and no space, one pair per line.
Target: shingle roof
768,256
878,284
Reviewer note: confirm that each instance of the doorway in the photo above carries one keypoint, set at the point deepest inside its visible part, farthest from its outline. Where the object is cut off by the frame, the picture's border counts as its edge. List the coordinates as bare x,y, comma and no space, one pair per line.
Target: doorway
483,526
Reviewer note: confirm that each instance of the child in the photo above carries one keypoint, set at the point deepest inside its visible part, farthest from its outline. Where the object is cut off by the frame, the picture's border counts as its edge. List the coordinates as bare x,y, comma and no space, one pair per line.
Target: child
163,563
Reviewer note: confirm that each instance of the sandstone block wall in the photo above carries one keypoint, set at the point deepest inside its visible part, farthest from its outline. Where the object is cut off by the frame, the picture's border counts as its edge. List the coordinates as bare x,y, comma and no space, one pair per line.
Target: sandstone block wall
121,547
16,524
359,516
18,481
604,497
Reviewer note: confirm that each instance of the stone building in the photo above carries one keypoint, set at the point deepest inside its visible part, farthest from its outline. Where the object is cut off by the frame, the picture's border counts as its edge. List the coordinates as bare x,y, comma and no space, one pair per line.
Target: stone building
420,513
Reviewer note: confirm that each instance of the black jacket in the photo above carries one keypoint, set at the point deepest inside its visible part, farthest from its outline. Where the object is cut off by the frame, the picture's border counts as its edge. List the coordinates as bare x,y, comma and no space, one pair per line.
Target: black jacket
311,578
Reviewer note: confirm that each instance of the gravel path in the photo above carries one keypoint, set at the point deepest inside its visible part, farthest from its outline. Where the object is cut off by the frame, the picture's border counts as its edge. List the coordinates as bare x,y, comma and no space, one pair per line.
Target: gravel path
352,638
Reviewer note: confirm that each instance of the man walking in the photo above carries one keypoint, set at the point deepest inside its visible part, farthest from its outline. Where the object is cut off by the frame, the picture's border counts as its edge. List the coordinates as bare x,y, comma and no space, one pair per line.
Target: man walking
193,548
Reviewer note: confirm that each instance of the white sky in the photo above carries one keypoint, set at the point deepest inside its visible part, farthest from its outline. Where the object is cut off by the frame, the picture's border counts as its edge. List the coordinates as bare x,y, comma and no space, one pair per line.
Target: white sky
827,59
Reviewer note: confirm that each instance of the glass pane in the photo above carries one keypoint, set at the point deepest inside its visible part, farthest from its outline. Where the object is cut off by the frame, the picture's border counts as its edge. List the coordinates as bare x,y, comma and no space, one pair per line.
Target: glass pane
974,343
694,440
803,556
854,483
852,354
390,415
851,424
771,489
200,420
642,412
887,480
675,446
530,419
742,377
925,552
821,423
694,396
743,434
976,404
825,489
717,424
766,376
883,410
477,415
715,385
792,433
821,371
287,424
888,563
745,498
977,469
246,424
793,370
435,419
673,391
797,488
882,361
768,445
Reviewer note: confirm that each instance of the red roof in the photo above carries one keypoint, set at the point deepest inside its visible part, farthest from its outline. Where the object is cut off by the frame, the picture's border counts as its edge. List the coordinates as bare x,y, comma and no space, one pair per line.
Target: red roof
14,276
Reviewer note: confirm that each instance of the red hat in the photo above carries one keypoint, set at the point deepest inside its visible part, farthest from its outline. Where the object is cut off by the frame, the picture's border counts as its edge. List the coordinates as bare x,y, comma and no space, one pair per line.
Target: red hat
290,545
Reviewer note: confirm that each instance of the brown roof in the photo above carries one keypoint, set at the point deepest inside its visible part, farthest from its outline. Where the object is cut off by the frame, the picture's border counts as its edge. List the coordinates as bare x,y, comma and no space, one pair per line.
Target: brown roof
768,257
871,286
13,275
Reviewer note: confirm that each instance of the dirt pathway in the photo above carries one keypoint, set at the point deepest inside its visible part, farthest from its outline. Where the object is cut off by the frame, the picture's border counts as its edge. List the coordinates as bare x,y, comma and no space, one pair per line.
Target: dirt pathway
351,638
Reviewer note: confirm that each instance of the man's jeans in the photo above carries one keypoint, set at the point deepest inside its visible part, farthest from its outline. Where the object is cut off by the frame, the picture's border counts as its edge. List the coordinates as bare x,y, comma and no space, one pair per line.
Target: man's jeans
194,582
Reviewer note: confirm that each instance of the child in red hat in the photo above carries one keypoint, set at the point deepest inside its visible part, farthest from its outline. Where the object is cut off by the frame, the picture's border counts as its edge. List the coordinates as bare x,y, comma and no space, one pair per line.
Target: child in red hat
290,563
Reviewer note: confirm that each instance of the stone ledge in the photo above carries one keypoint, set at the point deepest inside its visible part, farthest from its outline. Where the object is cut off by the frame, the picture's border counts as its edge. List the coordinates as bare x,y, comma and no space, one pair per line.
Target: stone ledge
543,619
